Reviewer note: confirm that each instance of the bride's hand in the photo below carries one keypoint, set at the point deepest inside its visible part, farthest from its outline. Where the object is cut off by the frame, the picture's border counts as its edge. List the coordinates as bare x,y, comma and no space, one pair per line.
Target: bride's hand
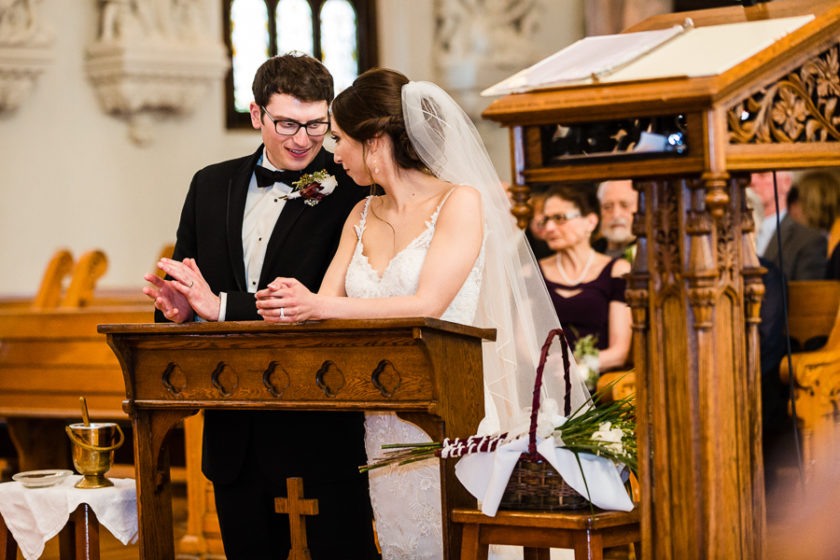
286,300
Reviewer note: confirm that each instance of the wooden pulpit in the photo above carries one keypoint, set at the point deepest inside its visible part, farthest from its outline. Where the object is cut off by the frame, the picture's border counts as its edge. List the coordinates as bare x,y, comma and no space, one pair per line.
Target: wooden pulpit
426,370
695,287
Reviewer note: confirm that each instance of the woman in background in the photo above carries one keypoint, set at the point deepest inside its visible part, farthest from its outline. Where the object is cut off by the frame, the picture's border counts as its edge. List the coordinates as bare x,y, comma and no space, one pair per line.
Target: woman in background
586,287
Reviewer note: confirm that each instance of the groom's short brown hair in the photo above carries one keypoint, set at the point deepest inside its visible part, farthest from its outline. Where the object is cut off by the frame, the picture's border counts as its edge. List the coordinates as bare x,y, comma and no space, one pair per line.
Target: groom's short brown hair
296,74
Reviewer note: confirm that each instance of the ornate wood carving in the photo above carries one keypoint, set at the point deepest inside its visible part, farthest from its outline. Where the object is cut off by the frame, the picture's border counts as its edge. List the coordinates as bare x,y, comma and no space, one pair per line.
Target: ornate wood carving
801,107
667,262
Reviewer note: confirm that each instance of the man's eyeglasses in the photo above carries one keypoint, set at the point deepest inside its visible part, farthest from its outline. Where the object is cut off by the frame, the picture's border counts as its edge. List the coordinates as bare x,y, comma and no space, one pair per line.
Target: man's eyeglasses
559,219
289,127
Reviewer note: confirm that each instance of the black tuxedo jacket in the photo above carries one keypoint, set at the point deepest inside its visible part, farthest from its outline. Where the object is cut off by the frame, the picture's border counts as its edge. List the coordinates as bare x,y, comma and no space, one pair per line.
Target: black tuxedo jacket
301,246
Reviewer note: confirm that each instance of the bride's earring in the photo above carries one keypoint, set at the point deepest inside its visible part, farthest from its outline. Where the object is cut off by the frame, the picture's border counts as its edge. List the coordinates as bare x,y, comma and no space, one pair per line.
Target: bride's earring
375,168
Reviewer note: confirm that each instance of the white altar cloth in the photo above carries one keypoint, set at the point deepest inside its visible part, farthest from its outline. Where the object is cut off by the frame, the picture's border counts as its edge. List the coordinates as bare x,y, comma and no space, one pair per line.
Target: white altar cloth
35,515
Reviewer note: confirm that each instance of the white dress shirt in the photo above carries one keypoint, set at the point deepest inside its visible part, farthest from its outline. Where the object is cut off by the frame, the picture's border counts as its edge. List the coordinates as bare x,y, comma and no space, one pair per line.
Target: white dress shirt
262,208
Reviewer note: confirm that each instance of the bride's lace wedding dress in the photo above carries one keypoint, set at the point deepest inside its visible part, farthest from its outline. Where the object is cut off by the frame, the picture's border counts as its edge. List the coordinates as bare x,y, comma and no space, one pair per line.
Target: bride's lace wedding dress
406,500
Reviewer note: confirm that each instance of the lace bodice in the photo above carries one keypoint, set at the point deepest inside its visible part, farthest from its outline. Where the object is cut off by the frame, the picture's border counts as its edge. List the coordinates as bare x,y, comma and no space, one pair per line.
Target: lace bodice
401,276
406,500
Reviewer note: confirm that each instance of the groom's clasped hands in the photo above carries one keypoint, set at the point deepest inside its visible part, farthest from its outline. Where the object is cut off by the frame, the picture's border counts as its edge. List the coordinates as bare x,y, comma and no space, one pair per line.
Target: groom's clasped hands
286,300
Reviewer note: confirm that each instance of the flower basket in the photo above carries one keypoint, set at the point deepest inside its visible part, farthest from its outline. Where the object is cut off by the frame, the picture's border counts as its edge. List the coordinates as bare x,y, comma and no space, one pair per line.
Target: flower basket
535,484
514,472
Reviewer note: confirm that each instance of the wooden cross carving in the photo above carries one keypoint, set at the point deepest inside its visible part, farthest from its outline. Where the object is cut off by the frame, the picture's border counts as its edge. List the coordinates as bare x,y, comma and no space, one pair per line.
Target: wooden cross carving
296,507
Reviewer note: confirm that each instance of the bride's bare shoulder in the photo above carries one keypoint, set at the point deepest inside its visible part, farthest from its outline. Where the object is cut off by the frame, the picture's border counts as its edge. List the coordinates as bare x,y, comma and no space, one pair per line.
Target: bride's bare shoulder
465,194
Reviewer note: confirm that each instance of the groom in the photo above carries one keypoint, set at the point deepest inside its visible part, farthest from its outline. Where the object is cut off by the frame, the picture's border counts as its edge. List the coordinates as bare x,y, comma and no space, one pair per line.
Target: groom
243,224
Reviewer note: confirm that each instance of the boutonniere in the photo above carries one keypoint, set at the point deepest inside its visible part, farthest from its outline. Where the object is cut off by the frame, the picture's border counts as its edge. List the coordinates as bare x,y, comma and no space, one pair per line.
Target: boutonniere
312,187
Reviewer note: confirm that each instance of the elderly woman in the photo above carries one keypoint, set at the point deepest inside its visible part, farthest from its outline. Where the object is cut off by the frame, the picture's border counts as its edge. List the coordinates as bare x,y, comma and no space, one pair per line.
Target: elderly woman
586,287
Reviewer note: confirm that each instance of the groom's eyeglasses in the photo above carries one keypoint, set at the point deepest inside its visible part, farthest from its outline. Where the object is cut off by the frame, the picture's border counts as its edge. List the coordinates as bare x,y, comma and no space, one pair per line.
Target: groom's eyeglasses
289,127
559,219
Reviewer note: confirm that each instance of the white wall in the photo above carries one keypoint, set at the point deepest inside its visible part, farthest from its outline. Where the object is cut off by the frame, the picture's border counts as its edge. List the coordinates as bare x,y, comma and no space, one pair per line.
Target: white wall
71,177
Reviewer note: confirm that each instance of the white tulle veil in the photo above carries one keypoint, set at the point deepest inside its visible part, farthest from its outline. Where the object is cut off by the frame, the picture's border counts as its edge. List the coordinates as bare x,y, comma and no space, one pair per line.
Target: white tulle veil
514,299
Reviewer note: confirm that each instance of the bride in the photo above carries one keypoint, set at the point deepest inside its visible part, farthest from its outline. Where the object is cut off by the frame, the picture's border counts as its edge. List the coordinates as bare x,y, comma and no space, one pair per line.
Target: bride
440,242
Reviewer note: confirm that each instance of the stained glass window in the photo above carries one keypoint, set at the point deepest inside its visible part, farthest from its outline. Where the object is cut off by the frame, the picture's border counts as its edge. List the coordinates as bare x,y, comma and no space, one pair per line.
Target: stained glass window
341,33
294,27
338,42
249,45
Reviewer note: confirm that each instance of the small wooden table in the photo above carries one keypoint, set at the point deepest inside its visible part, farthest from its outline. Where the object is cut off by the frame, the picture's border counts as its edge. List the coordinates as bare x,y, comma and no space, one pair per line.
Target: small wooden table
588,534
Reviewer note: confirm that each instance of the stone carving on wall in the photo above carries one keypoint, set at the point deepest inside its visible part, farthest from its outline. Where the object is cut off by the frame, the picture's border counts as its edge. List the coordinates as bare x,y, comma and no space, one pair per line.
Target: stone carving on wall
153,59
479,42
24,50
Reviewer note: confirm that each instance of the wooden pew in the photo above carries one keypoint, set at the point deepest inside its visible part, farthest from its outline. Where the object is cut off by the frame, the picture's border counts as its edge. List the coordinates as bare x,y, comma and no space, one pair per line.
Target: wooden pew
49,359
50,354
815,312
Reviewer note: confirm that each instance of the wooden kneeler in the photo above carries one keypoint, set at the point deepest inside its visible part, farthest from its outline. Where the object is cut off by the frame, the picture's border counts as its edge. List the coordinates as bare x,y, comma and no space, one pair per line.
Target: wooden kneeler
296,507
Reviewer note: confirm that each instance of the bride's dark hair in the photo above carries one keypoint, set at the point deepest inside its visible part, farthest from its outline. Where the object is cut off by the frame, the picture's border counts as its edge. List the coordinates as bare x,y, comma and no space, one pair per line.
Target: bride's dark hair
373,106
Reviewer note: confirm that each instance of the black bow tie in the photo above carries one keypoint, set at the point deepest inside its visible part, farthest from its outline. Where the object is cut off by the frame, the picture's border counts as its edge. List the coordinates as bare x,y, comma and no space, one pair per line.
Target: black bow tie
266,177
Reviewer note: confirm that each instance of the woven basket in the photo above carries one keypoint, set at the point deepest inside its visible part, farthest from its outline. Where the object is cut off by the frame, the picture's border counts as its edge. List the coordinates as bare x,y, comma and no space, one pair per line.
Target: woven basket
534,483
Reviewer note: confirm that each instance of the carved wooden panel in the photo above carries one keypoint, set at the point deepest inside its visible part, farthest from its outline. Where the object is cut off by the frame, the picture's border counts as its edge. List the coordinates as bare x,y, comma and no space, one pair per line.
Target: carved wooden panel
801,107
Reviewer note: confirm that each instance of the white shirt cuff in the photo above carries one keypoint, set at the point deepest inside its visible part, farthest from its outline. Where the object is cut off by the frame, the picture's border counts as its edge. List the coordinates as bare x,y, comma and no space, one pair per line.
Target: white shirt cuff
222,305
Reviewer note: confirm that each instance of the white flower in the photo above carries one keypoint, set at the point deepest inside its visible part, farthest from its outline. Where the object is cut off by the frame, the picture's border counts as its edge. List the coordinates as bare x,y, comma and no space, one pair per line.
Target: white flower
611,435
313,187
548,418
328,185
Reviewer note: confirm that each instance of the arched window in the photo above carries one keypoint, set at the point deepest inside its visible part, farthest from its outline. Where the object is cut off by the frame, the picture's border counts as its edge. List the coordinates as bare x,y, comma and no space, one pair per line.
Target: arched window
340,33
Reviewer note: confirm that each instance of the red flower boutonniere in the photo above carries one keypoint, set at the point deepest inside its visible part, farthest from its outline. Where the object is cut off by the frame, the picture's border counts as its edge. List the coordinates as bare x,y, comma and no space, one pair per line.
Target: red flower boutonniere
313,187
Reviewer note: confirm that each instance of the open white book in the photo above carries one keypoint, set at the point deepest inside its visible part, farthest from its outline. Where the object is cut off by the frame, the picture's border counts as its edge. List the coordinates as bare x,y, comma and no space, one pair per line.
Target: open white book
682,50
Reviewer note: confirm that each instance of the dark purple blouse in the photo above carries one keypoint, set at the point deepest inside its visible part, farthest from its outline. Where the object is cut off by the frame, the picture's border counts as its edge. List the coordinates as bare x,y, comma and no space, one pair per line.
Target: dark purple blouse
588,311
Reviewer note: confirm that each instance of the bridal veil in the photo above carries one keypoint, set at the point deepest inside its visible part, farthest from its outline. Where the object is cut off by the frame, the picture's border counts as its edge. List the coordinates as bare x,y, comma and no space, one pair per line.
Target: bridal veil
514,299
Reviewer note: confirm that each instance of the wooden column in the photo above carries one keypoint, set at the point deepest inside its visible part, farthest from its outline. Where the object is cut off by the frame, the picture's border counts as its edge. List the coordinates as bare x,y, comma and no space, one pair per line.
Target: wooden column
694,290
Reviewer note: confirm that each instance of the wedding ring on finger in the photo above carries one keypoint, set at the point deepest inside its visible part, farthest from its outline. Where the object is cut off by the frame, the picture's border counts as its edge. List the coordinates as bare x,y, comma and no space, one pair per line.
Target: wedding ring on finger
191,284
282,312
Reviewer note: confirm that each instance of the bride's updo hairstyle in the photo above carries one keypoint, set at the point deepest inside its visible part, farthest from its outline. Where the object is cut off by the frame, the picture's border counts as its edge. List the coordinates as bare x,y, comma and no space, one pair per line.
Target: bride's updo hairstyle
373,106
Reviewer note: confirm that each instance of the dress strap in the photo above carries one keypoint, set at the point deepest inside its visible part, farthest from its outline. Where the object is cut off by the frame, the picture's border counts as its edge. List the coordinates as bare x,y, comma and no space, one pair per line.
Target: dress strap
433,219
360,229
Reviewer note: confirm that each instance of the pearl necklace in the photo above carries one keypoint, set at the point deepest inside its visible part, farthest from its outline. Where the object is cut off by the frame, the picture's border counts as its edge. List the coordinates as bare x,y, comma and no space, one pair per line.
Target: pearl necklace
577,280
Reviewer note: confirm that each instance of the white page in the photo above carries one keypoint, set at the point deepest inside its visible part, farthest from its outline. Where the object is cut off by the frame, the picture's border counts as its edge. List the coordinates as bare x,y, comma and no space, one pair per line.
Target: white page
580,60
709,51
702,51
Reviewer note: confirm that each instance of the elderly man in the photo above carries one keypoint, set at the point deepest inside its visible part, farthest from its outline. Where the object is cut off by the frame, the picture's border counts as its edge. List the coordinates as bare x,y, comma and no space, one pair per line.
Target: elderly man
618,204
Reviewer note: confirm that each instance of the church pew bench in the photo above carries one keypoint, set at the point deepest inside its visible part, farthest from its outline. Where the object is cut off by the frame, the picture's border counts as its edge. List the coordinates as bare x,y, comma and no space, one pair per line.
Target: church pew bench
814,315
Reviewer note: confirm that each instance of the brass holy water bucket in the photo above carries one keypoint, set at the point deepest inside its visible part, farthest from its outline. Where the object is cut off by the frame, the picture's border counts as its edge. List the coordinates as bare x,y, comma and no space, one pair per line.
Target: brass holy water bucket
93,451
